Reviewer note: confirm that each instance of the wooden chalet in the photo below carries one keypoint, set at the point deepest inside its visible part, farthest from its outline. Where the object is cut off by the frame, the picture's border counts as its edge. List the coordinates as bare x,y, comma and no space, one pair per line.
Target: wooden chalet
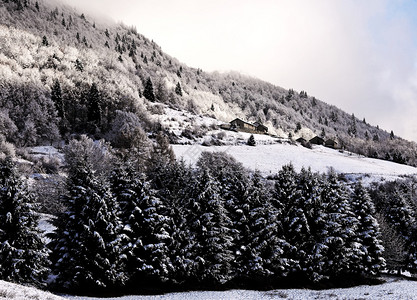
239,124
330,143
260,127
316,141
301,140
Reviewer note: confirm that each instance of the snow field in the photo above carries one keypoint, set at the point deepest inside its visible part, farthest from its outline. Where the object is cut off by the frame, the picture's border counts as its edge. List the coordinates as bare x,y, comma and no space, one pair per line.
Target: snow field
269,158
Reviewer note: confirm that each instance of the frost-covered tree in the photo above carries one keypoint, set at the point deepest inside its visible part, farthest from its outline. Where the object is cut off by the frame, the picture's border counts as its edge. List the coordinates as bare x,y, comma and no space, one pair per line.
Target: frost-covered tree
261,253
174,184
368,231
211,232
338,230
23,255
233,181
146,225
162,152
87,242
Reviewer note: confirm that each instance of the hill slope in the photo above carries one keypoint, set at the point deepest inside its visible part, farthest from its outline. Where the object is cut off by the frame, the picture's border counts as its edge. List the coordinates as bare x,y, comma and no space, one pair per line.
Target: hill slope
102,67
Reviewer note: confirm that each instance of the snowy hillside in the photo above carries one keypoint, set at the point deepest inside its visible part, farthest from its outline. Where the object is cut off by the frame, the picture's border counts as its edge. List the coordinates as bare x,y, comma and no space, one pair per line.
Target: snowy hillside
269,158
11,291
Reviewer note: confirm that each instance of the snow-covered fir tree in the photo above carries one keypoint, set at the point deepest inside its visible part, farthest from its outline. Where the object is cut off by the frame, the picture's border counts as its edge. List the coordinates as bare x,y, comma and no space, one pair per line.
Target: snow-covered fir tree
210,231
338,230
87,242
174,184
23,254
233,182
399,213
262,251
368,231
302,208
146,226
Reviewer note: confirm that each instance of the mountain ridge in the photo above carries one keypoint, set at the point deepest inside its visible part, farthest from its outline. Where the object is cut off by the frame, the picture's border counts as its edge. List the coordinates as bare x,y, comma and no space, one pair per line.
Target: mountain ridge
45,42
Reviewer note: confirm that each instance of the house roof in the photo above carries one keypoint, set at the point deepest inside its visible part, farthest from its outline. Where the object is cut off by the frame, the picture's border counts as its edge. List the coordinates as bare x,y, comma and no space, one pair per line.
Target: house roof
330,141
316,140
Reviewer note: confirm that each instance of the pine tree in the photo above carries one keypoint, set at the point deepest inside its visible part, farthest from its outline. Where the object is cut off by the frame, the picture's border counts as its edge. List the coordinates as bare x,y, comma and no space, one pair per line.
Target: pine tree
56,97
338,230
174,184
210,226
400,214
94,105
146,224
178,89
45,41
262,248
368,231
352,130
23,255
283,200
233,182
148,91
87,242
303,212
251,141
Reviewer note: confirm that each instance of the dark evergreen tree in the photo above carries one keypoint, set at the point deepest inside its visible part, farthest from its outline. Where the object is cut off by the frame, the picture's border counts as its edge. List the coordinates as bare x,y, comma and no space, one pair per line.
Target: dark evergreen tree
352,130
285,195
146,225
234,181
338,230
399,213
56,97
79,65
262,249
94,105
178,89
251,141
211,233
87,242
23,255
302,226
148,91
45,41
174,184
368,231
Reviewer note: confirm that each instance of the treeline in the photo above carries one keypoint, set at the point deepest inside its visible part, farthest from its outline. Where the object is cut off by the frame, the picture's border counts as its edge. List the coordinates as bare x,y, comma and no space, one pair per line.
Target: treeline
125,227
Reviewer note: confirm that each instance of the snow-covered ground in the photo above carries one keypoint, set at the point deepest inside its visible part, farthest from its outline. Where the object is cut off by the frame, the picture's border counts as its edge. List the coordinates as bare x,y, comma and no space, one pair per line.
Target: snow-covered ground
394,289
11,291
269,158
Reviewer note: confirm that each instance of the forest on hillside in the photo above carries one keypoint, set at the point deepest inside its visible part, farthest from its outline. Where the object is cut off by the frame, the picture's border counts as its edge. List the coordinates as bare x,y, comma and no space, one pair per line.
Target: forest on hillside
63,73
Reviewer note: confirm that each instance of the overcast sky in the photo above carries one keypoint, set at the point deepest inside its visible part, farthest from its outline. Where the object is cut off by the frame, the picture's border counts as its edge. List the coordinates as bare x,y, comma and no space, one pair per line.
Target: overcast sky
358,55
